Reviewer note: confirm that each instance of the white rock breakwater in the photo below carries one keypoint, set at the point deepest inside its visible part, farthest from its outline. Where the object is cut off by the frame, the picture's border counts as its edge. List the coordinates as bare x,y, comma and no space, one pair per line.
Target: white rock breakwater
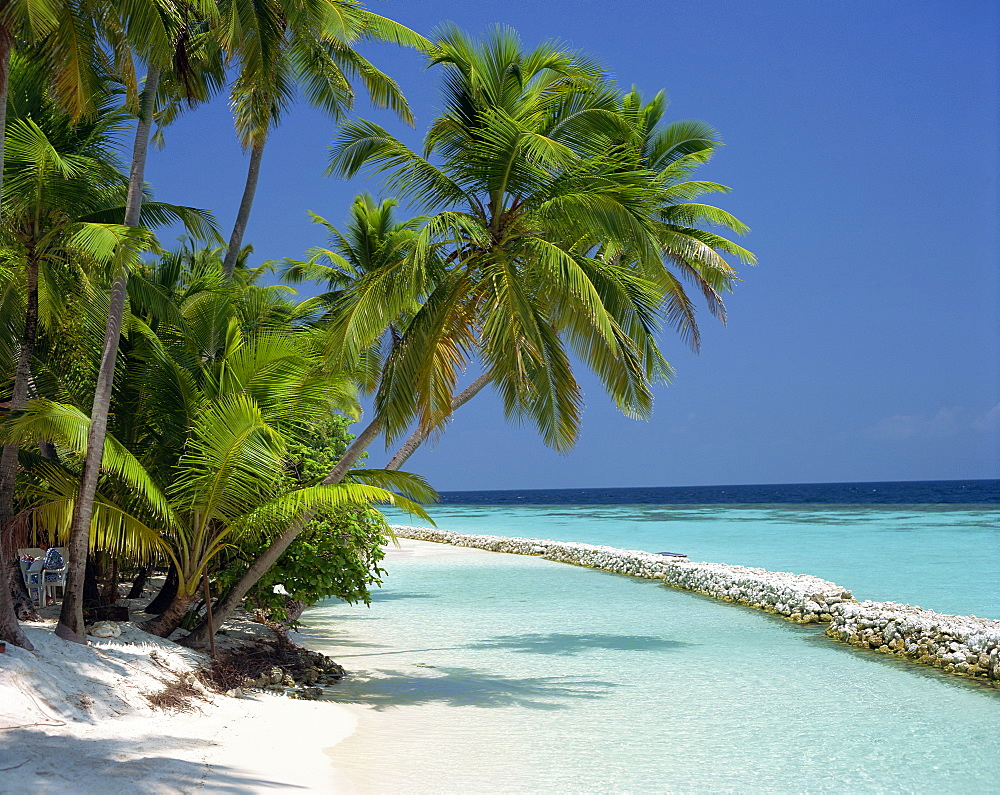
957,644
797,597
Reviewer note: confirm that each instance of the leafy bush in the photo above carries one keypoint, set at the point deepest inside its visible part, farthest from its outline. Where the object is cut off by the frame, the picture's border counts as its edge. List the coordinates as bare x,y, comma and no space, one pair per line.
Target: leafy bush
334,555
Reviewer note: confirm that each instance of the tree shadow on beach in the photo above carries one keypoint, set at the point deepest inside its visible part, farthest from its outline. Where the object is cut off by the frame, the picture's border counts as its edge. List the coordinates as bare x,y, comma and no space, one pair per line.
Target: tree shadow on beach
467,687
392,650
60,763
328,642
394,596
566,644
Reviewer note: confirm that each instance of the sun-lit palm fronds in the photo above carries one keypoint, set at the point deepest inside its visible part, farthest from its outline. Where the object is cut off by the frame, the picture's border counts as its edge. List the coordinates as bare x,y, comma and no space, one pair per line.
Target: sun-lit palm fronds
374,257
521,204
122,525
581,227
283,50
413,487
66,426
687,252
195,458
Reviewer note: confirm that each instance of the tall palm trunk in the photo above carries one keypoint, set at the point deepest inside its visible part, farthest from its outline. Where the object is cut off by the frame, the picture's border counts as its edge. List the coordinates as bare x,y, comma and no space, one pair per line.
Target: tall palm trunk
70,624
8,459
232,600
9,628
419,436
22,383
243,216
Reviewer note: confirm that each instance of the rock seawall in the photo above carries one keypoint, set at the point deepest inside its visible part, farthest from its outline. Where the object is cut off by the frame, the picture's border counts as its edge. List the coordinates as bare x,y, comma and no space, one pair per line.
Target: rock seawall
797,597
963,645
957,644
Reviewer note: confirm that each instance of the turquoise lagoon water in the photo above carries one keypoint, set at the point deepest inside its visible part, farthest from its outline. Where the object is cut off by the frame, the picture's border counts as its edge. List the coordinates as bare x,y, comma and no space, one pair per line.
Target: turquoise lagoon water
481,672
940,557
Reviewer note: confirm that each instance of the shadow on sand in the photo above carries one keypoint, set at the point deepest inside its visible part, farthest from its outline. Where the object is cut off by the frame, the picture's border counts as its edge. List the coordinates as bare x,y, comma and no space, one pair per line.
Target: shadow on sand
395,596
466,687
568,644
73,764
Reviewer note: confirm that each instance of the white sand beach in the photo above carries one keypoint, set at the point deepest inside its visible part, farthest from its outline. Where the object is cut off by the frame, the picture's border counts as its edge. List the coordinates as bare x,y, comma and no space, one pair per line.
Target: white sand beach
76,718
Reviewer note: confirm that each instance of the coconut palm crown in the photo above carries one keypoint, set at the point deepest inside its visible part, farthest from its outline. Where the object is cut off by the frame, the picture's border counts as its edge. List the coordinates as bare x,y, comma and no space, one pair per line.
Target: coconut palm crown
555,195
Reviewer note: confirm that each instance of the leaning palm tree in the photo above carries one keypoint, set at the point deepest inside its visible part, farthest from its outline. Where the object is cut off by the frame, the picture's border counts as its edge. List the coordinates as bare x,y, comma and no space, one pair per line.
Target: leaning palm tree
196,451
522,202
690,253
283,47
503,269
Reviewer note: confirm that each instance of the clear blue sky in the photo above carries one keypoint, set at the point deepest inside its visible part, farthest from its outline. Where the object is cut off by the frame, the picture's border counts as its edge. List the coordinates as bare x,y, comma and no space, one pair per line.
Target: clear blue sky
862,149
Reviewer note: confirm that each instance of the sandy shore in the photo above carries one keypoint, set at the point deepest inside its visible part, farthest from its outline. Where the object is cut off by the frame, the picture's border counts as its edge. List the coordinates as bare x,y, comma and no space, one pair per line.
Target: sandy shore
77,718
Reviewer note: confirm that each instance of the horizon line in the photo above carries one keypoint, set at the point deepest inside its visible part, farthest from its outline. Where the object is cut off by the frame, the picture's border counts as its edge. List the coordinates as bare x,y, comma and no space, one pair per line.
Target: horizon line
730,485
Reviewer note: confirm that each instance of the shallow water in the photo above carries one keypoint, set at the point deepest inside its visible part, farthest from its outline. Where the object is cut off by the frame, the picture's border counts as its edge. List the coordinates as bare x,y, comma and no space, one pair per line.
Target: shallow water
943,558
485,672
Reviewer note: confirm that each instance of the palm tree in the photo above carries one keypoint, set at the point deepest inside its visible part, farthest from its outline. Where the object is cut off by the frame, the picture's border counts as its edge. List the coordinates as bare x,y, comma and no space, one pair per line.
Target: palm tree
196,455
689,253
62,197
229,484
281,47
523,202
63,36
168,22
515,194
374,242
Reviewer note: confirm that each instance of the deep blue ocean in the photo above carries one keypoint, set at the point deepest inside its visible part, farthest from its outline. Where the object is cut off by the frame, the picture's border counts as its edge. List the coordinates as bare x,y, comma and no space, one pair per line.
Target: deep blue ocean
935,544
922,492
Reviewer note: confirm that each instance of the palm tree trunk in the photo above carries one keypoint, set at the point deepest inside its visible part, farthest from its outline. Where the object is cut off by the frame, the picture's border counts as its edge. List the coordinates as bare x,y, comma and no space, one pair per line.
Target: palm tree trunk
232,600
8,458
139,583
167,592
171,618
24,607
91,588
9,628
361,443
243,216
6,45
420,435
22,382
70,626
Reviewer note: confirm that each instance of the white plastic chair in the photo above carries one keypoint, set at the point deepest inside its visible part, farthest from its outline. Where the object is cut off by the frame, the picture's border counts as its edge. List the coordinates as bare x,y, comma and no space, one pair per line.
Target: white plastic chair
56,578
32,573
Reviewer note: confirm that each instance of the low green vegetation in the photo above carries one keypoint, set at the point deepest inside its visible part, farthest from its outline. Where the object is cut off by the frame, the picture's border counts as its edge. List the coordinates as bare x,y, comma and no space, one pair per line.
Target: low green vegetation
178,409
335,555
